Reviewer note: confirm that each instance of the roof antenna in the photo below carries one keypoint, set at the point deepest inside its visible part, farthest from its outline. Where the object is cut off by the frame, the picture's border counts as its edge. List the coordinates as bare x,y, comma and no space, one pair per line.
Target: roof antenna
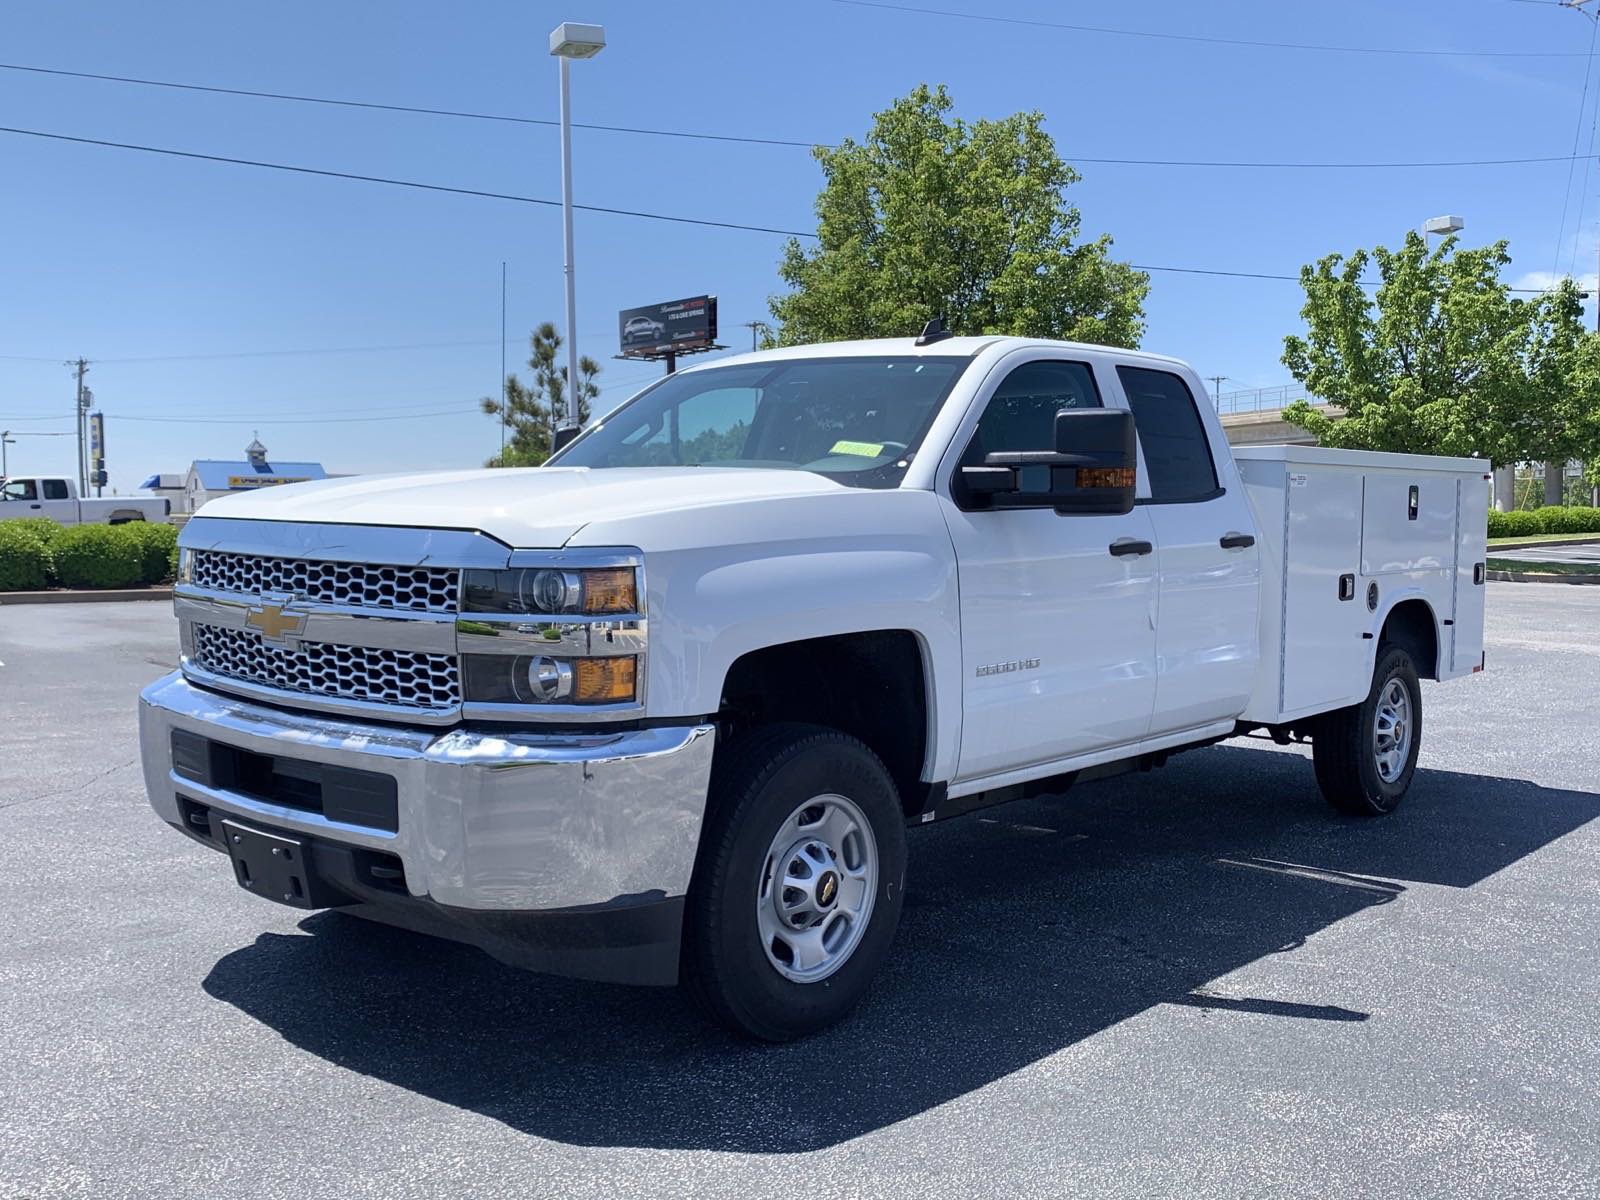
934,331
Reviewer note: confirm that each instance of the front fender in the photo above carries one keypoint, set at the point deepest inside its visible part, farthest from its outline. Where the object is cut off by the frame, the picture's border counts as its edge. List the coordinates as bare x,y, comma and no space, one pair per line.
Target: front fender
805,568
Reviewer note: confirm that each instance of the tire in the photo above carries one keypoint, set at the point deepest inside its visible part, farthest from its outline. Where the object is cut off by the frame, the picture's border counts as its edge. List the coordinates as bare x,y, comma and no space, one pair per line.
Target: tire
1354,771
783,786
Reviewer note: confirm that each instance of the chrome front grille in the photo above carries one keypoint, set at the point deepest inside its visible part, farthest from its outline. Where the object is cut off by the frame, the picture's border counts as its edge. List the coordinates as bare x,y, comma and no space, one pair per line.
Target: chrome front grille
362,673
407,589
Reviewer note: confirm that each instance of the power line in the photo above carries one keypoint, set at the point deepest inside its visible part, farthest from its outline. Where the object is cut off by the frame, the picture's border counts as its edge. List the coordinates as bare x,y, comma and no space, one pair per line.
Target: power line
271,420
433,187
407,183
719,137
1577,134
401,108
1583,186
1211,41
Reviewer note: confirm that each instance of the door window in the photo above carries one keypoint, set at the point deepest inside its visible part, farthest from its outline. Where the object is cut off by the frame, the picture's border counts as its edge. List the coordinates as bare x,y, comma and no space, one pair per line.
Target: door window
1021,415
55,489
1177,454
21,489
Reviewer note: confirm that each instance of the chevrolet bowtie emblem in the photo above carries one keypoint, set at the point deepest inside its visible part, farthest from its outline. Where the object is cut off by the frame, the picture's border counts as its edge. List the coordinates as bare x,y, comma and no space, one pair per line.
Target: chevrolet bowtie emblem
274,624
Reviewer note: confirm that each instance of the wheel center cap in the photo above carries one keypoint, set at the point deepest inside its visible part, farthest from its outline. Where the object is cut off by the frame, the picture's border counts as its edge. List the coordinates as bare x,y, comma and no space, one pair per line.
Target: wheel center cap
827,889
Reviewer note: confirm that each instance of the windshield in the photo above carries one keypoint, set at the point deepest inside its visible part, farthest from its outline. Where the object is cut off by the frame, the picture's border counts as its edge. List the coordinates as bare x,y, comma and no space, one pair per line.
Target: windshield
856,420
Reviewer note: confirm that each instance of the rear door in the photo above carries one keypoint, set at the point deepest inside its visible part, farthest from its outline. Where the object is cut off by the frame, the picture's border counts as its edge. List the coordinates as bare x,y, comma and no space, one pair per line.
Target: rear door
58,502
1207,636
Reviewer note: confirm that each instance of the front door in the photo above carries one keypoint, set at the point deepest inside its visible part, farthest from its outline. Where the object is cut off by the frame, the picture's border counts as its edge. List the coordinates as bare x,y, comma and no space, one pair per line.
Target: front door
1057,611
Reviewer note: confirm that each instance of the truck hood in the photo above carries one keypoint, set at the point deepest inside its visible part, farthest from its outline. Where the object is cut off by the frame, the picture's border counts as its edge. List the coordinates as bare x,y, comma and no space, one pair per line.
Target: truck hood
528,508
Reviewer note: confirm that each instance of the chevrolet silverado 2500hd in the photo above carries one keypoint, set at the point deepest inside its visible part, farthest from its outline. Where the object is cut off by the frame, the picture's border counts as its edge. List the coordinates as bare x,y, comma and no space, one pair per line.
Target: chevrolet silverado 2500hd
664,707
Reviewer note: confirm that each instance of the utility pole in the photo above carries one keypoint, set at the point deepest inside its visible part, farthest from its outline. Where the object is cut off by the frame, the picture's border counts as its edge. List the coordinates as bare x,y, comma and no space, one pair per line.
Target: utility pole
504,393
81,367
1216,391
753,326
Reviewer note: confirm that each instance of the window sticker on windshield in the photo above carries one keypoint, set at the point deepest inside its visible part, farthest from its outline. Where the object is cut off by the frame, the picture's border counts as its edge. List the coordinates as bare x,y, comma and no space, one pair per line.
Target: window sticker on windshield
859,449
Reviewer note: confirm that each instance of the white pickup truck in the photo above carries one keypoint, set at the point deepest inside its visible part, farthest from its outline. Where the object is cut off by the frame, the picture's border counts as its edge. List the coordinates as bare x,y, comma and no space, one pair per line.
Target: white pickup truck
56,497
664,707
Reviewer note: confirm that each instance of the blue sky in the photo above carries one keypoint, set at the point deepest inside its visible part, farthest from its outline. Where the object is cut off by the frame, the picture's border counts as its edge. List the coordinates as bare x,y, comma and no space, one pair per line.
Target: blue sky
174,277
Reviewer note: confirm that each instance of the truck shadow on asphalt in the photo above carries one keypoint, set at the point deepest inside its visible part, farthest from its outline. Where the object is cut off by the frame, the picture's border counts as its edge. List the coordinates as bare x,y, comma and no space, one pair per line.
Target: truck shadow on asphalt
1027,928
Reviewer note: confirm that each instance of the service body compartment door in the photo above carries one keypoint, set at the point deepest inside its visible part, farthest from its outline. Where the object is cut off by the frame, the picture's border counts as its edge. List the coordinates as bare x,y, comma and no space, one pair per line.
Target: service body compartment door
1408,523
1465,648
1323,661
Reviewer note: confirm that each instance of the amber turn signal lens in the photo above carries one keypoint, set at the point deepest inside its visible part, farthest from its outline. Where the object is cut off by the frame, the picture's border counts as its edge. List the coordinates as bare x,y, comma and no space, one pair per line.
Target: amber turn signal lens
610,591
1106,477
604,680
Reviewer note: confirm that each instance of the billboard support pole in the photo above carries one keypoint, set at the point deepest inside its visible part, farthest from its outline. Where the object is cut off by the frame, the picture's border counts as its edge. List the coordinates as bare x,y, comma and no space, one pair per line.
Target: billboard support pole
672,362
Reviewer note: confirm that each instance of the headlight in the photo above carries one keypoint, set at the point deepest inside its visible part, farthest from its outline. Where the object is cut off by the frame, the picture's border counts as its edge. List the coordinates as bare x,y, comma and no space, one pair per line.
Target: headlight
185,565
545,679
552,590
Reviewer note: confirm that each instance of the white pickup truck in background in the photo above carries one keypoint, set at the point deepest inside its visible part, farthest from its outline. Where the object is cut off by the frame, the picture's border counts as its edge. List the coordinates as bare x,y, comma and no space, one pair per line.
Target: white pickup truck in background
56,497
665,707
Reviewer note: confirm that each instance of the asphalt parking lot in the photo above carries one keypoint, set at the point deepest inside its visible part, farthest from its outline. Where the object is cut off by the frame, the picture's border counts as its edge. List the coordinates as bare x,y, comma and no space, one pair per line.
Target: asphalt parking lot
1193,982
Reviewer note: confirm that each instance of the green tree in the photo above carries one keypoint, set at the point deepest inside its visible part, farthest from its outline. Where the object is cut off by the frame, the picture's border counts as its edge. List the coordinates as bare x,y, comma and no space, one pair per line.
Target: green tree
533,411
1557,417
1432,363
933,216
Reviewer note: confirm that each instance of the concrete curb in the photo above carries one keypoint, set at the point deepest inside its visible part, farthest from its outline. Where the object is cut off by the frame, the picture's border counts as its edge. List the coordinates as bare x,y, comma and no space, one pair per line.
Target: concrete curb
1531,577
1584,540
68,596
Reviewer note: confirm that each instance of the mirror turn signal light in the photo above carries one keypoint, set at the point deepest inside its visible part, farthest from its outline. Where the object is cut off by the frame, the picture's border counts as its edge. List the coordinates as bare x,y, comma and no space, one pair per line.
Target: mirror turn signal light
1106,477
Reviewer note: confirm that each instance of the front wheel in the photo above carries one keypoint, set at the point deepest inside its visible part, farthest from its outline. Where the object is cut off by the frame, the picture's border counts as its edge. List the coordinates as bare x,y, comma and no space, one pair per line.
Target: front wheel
1366,755
798,889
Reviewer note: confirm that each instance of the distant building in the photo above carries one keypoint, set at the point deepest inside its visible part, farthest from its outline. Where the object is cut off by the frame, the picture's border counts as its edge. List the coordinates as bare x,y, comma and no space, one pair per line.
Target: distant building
169,488
209,478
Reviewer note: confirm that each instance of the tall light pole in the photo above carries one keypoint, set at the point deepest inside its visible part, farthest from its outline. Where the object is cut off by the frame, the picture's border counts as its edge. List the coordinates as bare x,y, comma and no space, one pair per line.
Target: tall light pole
5,440
568,41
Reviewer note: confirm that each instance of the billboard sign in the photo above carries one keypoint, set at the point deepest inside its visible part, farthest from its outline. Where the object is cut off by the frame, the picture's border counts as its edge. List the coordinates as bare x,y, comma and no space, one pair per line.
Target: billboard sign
676,327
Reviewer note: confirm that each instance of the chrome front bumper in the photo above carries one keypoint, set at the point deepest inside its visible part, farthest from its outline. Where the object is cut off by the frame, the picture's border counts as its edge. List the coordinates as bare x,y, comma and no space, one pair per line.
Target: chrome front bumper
513,822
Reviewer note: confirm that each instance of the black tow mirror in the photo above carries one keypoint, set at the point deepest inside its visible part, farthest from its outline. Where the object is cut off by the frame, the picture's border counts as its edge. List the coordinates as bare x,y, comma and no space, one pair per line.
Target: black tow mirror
1093,468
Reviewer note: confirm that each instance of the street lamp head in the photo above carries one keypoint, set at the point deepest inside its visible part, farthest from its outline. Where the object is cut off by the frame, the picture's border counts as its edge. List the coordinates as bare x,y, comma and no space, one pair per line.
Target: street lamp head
572,40
1444,225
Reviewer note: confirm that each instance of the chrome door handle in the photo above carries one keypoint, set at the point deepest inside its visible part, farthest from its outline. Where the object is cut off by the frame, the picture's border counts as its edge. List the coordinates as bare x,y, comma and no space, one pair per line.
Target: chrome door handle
1124,546
1237,541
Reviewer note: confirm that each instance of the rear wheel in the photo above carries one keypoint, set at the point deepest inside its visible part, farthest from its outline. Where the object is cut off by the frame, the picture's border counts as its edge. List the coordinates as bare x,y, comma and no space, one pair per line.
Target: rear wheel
1366,755
797,892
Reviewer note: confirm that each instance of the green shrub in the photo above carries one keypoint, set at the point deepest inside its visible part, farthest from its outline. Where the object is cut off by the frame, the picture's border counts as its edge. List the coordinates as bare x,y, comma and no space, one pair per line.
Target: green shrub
42,528
1569,520
1514,524
98,556
24,558
158,546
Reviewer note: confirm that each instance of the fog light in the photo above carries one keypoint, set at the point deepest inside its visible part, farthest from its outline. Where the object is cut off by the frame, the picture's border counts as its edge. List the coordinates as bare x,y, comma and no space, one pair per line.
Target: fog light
605,680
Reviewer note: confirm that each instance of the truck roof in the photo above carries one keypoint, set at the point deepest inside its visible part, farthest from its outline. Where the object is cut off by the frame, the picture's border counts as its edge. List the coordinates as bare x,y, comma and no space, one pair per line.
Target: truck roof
960,347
